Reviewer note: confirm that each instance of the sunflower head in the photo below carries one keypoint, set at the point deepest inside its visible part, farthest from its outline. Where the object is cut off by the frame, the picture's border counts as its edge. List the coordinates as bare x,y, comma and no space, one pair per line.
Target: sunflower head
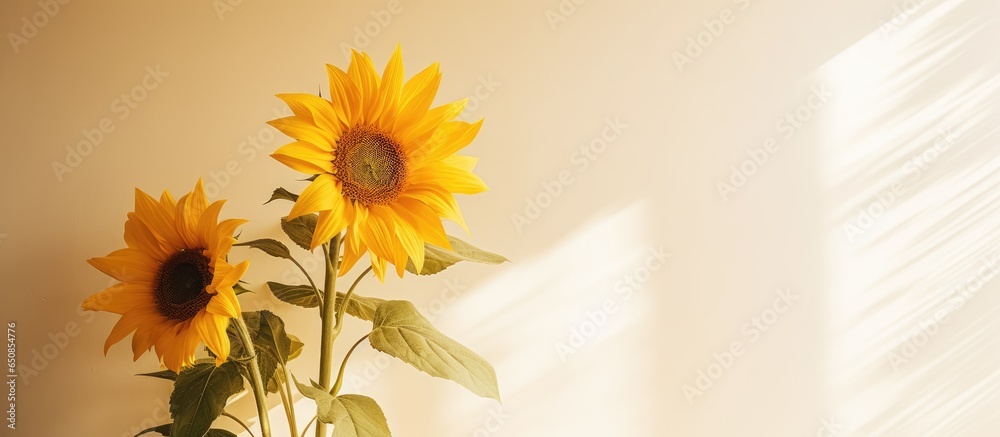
384,161
176,287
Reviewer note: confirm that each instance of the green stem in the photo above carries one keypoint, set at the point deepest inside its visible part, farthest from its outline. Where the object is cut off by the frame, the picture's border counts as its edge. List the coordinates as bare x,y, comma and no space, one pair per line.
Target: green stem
259,389
347,300
311,283
308,425
285,390
237,420
343,365
331,254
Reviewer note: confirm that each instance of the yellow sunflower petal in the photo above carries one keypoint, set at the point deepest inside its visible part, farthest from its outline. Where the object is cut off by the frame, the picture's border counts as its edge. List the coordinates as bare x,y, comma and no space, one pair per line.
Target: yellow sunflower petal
316,108
344,95
378,266
119,298
389,90
147,334
362,73
322,194
224,303
126,265
212,330
417,96
304,130
301,151
208,224
128,323
138,236
424,219
157,219
448,139
440,200
351,255
415,135
450,178
329,224
168,201
409,239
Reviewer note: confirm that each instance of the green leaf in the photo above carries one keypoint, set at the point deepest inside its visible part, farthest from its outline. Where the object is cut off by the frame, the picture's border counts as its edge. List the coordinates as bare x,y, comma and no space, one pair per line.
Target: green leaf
269,341
162,429
270,246
300,229
401,331
163,374
200,394
283,194
437,258
240,289
351,415
165,431
360,306
295,348
301,295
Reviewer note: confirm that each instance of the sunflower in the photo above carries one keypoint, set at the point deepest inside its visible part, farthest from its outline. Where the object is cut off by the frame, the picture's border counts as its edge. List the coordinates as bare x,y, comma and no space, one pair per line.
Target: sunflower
176,287
383,162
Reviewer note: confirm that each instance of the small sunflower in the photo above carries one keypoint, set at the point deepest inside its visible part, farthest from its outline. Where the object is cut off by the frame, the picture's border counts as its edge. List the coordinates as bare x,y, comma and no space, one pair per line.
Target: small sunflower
176,287
383,161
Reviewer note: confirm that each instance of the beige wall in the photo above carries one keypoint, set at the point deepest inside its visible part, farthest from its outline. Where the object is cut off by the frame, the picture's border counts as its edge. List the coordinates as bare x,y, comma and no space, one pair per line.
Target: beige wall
550,83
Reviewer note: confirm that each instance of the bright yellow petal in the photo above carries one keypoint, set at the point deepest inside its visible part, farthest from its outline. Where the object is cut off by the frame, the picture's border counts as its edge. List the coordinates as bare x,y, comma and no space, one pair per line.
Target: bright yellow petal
344,96
410,240
417,96
450,178
138,236
128,323
414,136
362,73
329,224
448,139
306,152
224,303
212,330
314,107
304,130
322,194
390,88
126,265
378,267
351,255
120,298
156,217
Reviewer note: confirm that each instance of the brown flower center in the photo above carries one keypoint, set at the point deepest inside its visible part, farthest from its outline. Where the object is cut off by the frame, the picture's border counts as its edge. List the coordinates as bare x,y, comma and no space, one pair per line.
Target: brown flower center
371,165
181,284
